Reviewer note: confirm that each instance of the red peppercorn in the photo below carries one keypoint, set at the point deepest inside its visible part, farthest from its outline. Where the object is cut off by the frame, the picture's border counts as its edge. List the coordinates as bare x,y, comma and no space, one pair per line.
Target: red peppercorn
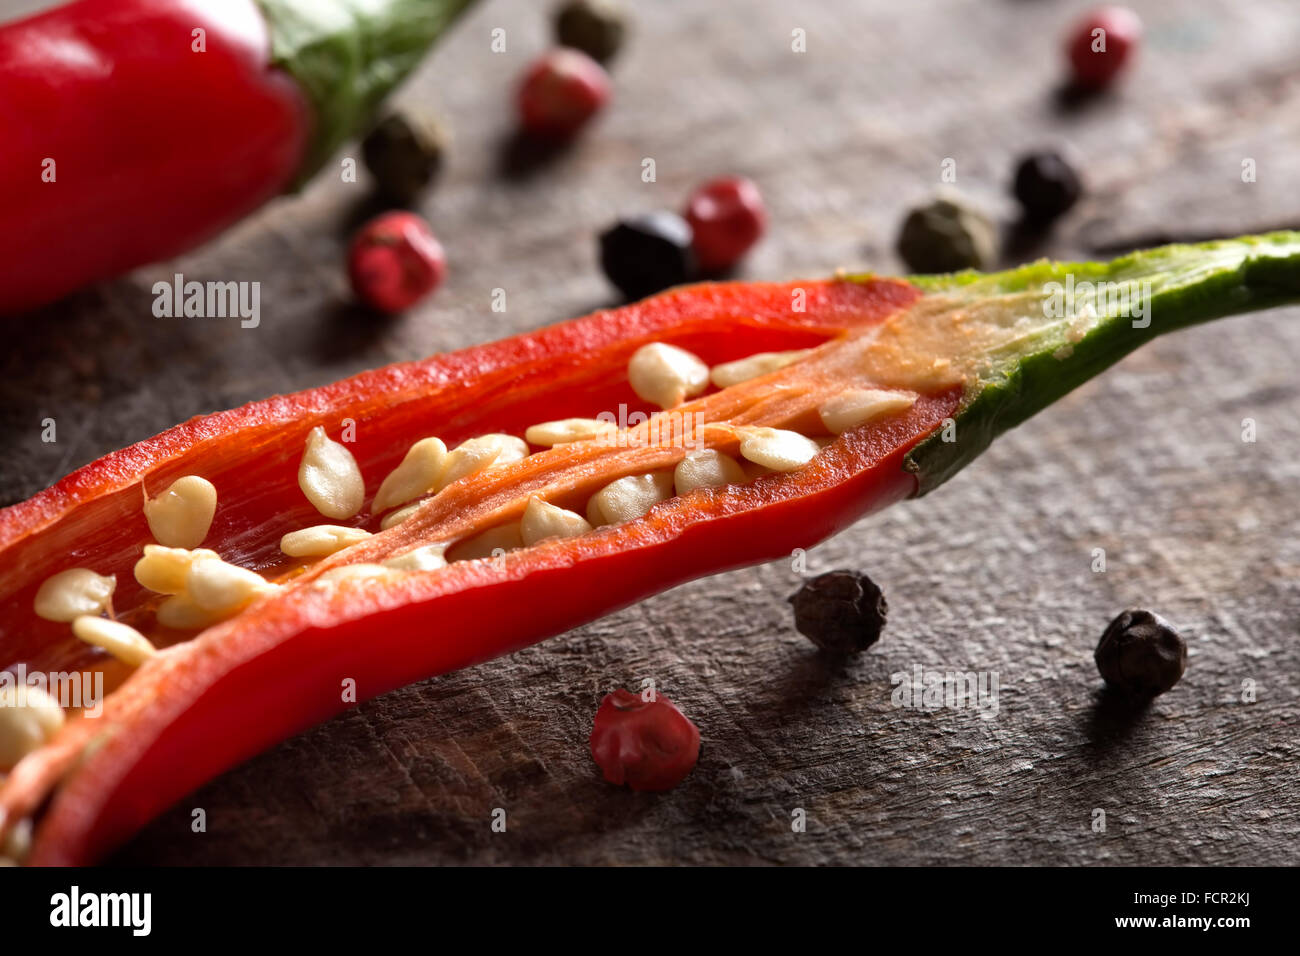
728,217
648,745
1102,44
561,91
395,261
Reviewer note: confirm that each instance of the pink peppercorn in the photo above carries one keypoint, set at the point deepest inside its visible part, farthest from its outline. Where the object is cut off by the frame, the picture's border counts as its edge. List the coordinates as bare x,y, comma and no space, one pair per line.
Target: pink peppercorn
395,261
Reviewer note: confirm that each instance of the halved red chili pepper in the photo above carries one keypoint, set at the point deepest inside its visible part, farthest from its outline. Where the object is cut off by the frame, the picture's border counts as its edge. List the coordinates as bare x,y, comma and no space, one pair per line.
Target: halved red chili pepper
137,129
972,354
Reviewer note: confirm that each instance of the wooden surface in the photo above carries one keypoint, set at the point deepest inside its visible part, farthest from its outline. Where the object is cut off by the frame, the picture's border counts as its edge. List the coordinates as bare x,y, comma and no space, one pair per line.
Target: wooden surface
990,573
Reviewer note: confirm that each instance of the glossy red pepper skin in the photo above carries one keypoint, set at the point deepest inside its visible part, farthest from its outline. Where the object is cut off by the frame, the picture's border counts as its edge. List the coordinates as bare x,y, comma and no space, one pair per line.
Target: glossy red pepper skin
245,684
156,147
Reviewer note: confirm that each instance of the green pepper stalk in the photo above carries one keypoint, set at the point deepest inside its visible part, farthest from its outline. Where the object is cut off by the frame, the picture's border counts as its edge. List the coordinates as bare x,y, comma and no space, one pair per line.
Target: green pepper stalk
1045,328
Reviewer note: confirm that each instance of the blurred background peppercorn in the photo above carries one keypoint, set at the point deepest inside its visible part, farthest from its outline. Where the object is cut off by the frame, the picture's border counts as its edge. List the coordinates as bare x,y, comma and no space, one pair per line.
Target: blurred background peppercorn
947,235
643,254
727,216
561,91
1046,186
596,27
394,261
1101,46
404,152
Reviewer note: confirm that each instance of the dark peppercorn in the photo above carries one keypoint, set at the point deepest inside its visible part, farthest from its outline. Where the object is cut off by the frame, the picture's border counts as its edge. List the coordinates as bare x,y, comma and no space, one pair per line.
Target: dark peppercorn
840,611
947,236
1047,186
1141,654
404,153
647,254
593,26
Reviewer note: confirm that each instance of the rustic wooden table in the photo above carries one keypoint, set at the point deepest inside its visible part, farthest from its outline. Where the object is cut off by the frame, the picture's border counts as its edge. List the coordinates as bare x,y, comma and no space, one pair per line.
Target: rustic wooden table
992,573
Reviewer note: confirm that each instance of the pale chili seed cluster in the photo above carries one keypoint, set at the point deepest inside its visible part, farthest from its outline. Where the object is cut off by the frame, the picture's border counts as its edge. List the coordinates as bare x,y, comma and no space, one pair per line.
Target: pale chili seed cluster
661,374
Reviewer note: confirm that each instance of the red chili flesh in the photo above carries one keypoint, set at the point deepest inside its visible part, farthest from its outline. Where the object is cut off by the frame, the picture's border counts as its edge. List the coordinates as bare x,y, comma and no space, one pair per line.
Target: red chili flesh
184,142
647,744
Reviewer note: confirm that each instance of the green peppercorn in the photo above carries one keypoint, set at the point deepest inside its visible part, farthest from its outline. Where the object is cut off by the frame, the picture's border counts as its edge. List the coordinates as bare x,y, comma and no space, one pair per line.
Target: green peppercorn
404,153
1140,654
947,235
593,26
842,612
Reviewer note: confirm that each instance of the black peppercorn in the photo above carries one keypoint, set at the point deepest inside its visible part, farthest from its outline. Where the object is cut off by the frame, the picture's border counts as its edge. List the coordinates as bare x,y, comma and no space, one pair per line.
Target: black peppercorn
1047,186
946,236
840,611
593,26
648,253
404,152
1141,654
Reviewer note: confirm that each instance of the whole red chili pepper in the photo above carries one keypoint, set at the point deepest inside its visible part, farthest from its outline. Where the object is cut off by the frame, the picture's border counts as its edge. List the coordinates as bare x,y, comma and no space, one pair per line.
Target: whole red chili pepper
137,129
843,396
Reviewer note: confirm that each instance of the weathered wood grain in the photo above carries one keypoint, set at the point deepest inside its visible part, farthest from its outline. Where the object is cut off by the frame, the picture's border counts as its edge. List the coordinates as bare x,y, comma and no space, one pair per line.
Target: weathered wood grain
990,573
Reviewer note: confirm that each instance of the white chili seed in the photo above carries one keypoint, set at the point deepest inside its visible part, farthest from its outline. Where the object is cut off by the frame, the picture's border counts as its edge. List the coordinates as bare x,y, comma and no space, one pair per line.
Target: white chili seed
222,588
707,468
330,478
666,375
430,557
28,718
629,497
595,517
17,842
486,451
72,593
415,476
542,521
506,537
320,540
742,370
776,448
181,516
164,569
180,612
550,434
398,516
122,641
861,405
